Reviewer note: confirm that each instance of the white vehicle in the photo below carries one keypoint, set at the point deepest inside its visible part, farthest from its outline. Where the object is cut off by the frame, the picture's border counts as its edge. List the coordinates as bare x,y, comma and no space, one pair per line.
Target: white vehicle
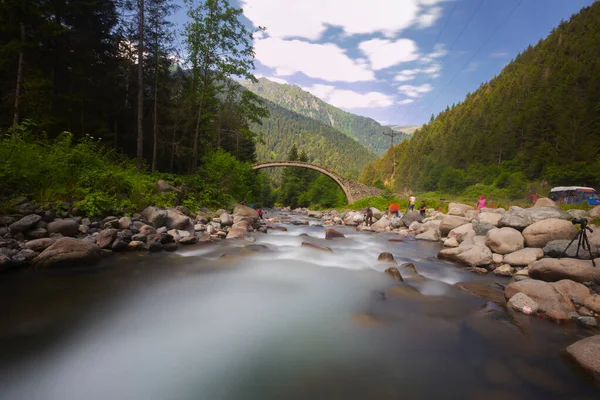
574,195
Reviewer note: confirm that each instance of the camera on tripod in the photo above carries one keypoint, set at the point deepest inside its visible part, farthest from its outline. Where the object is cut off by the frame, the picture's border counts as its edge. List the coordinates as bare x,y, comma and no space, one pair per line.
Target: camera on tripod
582,239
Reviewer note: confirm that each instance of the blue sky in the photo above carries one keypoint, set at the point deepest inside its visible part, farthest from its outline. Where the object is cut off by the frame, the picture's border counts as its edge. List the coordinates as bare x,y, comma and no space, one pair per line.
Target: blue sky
397,61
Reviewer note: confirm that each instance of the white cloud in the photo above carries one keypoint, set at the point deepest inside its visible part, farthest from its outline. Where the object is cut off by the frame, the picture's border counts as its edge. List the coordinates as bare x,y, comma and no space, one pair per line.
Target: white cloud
500,54
310,18
386,53
428,18
321,61
277,80
415,91
406,101
406,75
349,99
439,50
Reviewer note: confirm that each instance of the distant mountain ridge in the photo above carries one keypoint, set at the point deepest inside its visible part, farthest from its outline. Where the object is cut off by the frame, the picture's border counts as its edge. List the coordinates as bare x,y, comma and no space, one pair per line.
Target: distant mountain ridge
407,129
365,131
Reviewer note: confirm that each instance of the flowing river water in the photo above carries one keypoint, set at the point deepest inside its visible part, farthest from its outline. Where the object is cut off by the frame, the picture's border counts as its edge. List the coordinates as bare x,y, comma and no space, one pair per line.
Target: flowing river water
277,321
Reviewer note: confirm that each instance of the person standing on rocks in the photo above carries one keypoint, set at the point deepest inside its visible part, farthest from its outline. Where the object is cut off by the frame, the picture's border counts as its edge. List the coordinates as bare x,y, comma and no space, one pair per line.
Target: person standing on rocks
423,208
260,214
411,202
482,203
393,209
369,215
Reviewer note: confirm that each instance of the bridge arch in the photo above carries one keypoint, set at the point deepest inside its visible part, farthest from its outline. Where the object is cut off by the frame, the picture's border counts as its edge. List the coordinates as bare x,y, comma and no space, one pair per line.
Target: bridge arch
339,180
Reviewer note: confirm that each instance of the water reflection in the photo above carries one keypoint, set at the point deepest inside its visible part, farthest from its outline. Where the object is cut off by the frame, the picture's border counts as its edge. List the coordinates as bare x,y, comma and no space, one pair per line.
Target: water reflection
275,321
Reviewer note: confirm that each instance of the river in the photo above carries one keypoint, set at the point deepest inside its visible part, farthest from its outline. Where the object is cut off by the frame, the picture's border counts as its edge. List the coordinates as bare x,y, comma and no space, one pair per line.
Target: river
276,321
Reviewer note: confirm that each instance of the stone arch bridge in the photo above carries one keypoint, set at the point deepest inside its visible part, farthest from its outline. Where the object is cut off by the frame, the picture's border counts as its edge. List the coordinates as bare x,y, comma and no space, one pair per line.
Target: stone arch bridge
352,189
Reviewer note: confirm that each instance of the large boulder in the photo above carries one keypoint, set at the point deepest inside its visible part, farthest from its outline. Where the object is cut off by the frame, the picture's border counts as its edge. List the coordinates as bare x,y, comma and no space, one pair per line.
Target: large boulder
237,233
450,222
411,217
155,215
481,228
66,227
354,218
380,225
556,248
572,290
461,231
106,237
549,300
540,233
331,233
474,256
432,235
245,213
545,202
504,240
578,213
68,252
592,302
594,237
24,224
521,218
552,270
491,218
594,212
177,220
458,209
523,303
586,352
523,257
39,245
226,219
396,222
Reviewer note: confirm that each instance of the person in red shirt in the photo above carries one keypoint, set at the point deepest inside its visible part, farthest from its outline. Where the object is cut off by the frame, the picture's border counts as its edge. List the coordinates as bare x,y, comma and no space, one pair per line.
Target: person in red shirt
393,209
260,215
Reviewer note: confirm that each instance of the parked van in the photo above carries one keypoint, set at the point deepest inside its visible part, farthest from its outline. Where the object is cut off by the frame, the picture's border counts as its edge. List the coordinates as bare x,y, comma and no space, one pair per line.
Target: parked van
574,195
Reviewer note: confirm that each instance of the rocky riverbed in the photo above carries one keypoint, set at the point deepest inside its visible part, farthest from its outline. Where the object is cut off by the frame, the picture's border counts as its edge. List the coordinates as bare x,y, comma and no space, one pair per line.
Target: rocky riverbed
517,245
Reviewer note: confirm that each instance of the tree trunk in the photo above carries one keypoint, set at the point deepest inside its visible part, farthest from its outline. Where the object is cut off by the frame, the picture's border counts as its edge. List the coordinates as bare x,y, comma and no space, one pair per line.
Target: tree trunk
140,116
19,76
197,133
155,123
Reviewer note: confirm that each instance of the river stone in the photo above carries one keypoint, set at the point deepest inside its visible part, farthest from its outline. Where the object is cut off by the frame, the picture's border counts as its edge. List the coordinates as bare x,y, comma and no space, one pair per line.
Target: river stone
592,302
504,270
38,245
572,290
135,245
481,228
106,237
226,219
580,214
450,222
451,242
545,202
550,301
523,257
520,219
331,233
155,216
551,270
586,353
237,233
316,247
66,227
461,230
594,212
411,217
24,256
124,222
245,213
147,230
498,259
458,209
380,225
394,273
24,224
555,249
177,220
473,256
36,233
504,240
415,226
386,257
492,218
432,235
523,303
587,322
67,252
540,233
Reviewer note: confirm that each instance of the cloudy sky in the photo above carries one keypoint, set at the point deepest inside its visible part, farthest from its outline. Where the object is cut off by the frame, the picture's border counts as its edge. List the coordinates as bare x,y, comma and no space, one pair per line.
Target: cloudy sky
397,61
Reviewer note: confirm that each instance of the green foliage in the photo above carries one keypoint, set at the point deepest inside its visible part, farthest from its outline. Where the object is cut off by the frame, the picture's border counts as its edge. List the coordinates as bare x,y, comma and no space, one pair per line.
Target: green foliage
100,181
322,193
536,121
366,131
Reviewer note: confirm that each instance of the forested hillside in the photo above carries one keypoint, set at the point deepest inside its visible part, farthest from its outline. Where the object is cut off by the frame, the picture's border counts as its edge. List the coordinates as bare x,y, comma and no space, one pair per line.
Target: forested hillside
326,146
366,131
539,119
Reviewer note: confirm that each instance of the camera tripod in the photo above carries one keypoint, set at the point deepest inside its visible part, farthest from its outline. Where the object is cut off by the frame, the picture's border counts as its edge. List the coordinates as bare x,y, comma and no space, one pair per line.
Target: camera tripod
583,241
